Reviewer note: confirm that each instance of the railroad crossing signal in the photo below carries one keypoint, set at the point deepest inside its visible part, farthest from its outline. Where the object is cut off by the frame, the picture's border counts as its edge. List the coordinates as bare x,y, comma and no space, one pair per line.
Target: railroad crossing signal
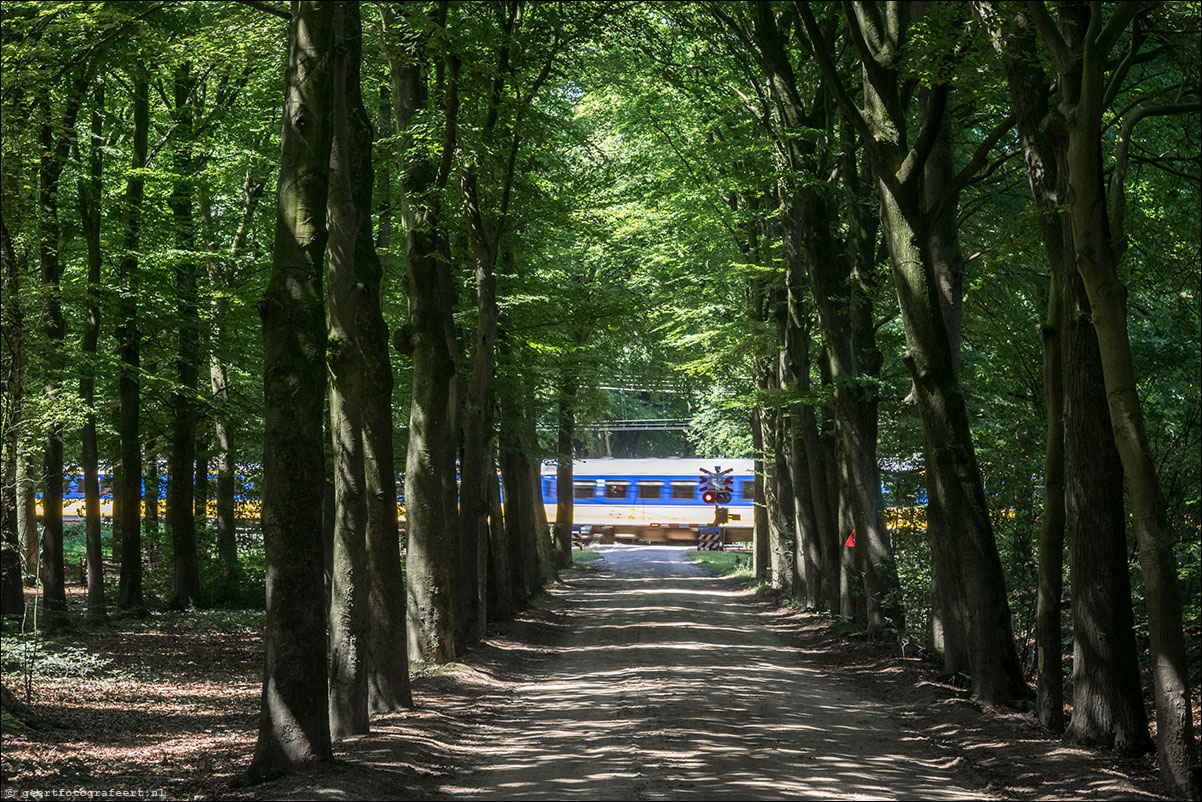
716,485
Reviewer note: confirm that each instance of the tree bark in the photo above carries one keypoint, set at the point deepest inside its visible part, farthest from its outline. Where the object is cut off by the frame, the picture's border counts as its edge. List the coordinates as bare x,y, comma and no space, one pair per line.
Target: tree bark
388,686
180,489
53,159
565,454
501,603
27,515
294,720
759,544
951,461
129,587
89,213
1082,63
431,523
12,589
348,214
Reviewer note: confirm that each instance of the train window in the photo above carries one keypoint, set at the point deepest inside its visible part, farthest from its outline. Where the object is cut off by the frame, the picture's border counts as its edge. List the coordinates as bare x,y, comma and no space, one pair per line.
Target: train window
582,489
616,489
747,488
106,485
651,489
684,490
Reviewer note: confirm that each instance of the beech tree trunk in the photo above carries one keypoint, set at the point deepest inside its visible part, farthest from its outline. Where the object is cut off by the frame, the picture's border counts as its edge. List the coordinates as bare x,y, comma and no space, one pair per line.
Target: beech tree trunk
12,589
760,562
89,213
388,686
294,724
222,279
501,602
430,486
53,159
1083,74
129,587
180,489
348,214
1083,478
952,469
565,498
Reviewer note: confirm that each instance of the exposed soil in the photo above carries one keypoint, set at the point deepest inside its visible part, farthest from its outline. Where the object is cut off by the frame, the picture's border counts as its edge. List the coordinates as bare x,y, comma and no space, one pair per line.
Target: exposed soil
644,678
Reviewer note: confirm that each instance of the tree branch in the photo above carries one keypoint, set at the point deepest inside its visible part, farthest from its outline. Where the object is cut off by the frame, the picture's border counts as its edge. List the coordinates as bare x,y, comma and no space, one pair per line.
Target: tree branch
978,160
1118,22
269,8
826,65
1118,196
932,121
1051,33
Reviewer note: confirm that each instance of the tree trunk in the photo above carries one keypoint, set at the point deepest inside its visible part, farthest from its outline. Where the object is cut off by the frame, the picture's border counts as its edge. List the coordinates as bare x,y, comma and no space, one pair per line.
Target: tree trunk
12,589
1082,83
152,481
348,214
388,688
27,515
219,380
431,523
183,406
129,587
89,213
565,454
789,575
952,469
54,154
1108,708
294,720
472,599
1083,478
500,583
760,550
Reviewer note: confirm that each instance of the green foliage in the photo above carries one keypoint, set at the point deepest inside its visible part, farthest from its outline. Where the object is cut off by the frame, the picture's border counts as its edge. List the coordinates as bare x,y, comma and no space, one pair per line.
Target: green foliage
34,655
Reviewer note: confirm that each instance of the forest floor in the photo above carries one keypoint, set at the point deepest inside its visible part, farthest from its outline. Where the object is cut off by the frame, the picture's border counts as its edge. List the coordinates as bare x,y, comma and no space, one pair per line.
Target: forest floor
640,678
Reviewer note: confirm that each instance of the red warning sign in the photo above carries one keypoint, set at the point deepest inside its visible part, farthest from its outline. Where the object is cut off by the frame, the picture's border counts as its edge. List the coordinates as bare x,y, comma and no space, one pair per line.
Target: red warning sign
851,540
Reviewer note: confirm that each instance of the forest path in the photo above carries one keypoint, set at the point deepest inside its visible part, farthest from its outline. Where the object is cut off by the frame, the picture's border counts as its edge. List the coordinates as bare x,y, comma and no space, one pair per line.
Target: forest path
660,681
644,678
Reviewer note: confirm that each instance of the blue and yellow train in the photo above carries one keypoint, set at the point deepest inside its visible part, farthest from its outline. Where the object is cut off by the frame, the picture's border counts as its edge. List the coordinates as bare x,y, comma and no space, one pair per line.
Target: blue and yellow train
653,500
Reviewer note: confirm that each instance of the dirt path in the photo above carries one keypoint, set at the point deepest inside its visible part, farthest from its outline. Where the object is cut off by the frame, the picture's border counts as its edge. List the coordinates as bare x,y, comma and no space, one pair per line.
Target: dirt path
646,678
668,684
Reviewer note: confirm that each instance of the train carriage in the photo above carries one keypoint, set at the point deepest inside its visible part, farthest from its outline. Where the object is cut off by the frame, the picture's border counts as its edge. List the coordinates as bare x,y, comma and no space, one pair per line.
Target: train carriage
652,500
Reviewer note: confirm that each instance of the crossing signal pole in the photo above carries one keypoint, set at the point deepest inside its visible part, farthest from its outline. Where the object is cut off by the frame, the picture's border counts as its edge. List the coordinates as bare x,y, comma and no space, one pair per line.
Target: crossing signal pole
716,487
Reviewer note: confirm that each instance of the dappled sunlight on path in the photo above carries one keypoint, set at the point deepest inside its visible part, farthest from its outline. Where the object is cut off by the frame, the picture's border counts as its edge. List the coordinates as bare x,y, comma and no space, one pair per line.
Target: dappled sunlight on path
657,681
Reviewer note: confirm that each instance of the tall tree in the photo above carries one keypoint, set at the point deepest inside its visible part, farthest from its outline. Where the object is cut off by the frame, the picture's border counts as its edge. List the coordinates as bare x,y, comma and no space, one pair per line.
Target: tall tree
387,647
1083,478
12,593
954,478
294,720
415,41
90,217
1085,82
349,217
187,359
129,588
57,137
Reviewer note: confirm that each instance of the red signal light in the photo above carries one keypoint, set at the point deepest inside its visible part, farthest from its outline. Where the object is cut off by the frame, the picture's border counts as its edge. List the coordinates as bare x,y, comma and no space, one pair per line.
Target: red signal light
709,496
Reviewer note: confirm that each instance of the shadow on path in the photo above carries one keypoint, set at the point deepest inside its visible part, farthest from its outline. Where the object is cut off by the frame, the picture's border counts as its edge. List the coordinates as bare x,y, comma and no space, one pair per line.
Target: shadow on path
663,682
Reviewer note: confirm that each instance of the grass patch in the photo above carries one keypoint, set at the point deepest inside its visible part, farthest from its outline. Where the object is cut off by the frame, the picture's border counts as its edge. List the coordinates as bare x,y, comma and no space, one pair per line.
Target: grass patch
724,563
586,556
